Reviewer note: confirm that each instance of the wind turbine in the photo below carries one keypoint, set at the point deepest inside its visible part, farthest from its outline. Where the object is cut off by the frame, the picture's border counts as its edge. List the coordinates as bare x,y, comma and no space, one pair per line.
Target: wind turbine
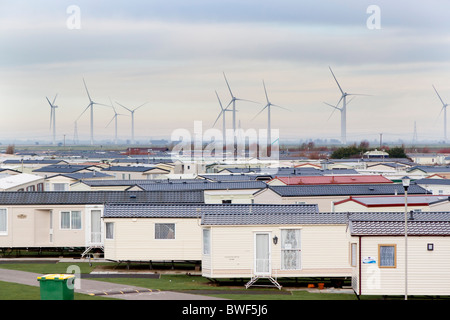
132,119
268,107
53,116
233,101
444,107
115,120
343,109
90,105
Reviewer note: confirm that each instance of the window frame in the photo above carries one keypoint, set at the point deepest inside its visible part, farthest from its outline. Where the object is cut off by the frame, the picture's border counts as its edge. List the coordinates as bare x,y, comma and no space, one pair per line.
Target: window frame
298,250
71,219
109,230
164,223
206,241
4,232
353,254
394,258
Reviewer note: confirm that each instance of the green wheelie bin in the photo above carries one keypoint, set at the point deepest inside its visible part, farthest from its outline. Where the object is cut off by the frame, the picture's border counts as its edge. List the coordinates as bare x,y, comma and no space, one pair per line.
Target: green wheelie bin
57,286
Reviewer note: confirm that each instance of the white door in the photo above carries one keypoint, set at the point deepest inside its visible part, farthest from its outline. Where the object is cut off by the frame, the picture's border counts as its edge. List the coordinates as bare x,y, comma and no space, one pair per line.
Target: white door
262,254
96,231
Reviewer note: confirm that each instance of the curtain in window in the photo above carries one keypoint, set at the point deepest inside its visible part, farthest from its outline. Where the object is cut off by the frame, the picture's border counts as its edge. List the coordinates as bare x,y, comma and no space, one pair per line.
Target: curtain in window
59,187
109,230
165,231
290,249
354,248
76,219
65,220
3,221
206,241
387,256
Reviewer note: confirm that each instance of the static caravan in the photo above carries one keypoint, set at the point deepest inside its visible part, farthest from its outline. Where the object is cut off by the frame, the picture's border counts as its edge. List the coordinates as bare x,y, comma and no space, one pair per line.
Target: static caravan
326,195
382,266
387,203
66,219
152,232
275,242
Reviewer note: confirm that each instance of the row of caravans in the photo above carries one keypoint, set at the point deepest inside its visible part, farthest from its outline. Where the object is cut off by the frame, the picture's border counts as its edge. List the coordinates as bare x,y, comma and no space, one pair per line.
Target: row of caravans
240,240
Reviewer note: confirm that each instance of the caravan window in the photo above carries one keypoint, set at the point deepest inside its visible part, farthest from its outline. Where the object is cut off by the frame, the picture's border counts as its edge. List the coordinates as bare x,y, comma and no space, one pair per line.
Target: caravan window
206,241
3,222
387,255
109,230
290,249
164,230
70,220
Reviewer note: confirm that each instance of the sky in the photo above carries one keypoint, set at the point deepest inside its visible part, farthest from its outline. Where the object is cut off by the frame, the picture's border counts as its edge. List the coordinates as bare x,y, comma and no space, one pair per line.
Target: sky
173,55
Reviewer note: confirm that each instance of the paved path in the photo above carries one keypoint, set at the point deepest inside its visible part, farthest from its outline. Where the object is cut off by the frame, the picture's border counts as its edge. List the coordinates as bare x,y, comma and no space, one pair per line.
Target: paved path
112,290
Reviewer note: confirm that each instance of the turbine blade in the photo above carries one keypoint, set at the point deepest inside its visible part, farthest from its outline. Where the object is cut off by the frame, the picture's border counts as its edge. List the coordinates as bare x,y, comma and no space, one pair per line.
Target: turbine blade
228,85
332,106
267,105
220,102
101,104
247,100
218,117
265,91
110,121
140,106
83,112
336,81
54,99
274,105
332,114
49,102
87,90
123,106
439,96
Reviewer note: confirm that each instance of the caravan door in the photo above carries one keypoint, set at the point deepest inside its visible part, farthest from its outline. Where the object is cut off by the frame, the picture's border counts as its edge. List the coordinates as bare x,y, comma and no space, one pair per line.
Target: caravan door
262,254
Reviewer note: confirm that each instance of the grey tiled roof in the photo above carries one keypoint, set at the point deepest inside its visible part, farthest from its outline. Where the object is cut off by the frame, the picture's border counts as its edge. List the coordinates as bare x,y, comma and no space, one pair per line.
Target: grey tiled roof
345,190
85,175
62,168
32,161
430,169
274,218
230,177
432,181
97,197
132,168
133,182
393,224
205,185
206,211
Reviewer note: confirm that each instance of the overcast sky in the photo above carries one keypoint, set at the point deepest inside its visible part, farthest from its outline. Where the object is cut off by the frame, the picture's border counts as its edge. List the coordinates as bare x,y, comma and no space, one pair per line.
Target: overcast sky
172,54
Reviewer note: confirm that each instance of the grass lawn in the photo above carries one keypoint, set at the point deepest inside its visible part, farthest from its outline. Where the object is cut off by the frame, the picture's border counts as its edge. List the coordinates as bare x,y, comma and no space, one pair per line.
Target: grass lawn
233,290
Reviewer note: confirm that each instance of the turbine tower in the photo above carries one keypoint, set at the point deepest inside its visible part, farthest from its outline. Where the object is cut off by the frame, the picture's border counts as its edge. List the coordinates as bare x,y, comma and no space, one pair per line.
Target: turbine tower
132,119
343,109
53,116
444,107
233,101
91,106
268,107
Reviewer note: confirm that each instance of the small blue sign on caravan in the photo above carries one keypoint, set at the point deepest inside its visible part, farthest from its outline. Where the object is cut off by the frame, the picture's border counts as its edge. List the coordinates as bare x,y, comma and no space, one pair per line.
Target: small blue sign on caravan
368,260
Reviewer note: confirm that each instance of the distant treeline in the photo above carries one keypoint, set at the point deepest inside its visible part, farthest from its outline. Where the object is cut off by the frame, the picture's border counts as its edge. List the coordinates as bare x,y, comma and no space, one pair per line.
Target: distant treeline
355,151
